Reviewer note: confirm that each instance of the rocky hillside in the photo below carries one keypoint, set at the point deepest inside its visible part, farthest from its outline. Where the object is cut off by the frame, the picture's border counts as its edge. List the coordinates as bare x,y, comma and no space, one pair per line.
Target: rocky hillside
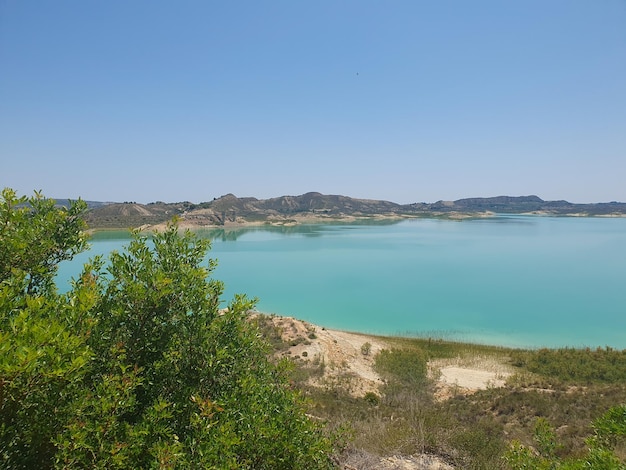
527,204
232,209
132,215
310,203
310,207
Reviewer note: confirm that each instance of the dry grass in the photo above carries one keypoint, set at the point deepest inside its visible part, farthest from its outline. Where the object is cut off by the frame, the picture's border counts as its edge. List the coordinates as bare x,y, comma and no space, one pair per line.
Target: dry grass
465,427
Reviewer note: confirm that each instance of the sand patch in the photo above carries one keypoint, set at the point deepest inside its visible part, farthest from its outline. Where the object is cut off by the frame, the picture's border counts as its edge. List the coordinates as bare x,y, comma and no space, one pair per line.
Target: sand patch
472,379
345,359
467,375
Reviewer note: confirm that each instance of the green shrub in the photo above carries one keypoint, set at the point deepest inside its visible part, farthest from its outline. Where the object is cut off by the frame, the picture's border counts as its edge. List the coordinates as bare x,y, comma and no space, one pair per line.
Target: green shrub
601,365
608,430
372,398
407,367
135,367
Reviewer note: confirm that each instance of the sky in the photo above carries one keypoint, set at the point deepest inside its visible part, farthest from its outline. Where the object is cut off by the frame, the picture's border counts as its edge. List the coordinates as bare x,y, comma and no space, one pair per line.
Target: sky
400,100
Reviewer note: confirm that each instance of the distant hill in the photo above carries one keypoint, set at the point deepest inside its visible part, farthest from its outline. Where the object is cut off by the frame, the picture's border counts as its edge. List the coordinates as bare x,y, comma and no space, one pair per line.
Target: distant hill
230,209
529,204
132,215
309,203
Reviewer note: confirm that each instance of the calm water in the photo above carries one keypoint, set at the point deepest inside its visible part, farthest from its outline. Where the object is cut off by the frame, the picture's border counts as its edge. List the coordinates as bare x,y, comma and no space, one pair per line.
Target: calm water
509,280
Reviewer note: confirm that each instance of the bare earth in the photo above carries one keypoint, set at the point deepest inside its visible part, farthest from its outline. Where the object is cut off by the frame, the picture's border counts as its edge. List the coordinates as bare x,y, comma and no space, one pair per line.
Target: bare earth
348,360
345,365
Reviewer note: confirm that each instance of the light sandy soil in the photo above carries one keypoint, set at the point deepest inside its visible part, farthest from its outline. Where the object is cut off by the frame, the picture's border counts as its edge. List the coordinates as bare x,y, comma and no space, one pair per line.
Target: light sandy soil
199,223
464,376
348,360
472,379
346,357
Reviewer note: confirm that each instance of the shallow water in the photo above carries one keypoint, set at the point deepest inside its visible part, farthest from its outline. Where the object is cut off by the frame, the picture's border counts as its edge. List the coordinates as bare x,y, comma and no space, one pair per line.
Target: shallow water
507,280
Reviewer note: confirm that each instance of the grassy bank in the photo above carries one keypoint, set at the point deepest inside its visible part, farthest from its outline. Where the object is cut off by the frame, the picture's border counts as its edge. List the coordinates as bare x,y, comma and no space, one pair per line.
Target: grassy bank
566,388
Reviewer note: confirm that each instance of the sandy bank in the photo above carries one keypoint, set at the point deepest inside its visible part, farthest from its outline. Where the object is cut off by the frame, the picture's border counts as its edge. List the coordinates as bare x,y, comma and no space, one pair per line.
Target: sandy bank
348,360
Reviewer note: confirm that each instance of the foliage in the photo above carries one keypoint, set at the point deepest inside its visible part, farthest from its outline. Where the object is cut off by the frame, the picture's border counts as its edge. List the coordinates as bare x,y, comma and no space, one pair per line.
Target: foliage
470,431
601,365
136,366
42,360
35,236
608,430
405,366
42,364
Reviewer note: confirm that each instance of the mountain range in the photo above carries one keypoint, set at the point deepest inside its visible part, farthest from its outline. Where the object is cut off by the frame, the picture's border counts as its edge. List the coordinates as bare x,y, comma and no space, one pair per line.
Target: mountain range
310,207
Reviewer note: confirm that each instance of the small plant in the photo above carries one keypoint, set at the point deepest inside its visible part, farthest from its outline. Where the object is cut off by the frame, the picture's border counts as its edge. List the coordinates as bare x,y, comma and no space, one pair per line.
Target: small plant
372,398
366,349
297,341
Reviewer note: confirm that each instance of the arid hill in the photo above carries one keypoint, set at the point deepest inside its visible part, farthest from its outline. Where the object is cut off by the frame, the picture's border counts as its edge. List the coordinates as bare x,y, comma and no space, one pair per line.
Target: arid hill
315,207
133,215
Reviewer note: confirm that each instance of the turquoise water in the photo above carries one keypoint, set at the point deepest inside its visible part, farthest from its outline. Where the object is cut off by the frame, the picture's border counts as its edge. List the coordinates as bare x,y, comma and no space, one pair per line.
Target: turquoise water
507,280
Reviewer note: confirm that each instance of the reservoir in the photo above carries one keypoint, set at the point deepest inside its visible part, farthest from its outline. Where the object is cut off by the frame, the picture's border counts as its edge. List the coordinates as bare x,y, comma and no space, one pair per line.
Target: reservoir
521,281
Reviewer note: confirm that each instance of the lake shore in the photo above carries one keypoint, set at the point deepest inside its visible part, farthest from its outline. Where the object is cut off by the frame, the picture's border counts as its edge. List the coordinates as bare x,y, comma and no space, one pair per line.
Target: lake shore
306,219
349,360
195,224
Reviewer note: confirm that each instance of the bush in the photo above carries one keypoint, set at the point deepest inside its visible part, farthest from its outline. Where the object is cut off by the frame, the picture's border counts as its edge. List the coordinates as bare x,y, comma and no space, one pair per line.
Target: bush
372,398
407,367
609,429
135,367
601,365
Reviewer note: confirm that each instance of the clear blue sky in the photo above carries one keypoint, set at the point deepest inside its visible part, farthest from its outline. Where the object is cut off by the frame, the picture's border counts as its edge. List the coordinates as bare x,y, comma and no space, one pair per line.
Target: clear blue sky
400,100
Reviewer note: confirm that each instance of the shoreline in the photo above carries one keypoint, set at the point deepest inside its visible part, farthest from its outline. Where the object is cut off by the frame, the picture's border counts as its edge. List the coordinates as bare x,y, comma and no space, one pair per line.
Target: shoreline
316,219
349,359
429,339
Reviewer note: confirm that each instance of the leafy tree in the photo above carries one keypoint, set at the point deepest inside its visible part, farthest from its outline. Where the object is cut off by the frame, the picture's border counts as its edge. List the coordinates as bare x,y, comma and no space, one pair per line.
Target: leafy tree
35,236
136,366
42,360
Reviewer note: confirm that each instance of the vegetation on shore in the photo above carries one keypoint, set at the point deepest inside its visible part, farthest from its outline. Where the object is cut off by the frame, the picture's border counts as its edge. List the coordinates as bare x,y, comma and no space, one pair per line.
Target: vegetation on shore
555,416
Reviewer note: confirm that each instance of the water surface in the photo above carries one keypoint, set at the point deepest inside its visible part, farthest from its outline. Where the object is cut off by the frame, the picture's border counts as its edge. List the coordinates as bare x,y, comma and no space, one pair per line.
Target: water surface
507,280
